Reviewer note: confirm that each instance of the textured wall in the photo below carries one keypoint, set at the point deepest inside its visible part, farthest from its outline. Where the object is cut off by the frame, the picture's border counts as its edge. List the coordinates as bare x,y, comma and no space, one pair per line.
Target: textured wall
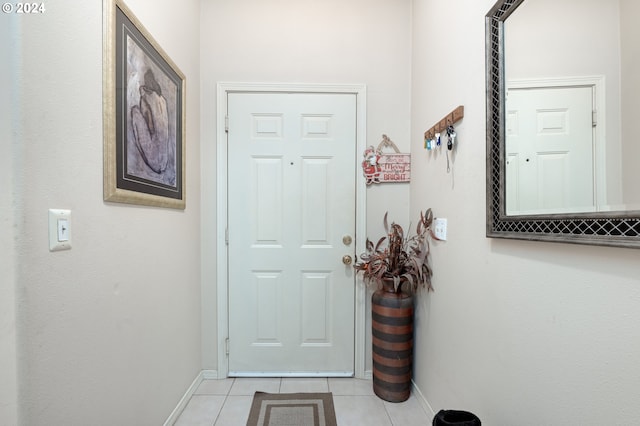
8,163
521,333
109,331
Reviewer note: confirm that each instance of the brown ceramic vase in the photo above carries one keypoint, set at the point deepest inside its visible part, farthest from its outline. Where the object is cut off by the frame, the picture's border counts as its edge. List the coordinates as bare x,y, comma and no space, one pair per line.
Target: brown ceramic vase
392,330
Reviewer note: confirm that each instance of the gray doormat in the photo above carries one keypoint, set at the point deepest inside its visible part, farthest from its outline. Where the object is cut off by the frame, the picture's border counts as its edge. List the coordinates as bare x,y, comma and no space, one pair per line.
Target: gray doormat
292,409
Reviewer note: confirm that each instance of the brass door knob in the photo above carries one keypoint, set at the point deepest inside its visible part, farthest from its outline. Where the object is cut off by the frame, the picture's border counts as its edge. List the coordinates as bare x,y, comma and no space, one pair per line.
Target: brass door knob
346,259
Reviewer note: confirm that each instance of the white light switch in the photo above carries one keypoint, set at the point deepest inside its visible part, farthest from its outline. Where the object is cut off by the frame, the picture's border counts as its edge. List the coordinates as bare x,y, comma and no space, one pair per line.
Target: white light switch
59,229
440,228
63,230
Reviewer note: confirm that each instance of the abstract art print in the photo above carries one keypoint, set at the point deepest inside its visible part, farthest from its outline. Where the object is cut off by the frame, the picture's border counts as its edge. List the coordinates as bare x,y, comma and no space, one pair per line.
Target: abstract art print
144,96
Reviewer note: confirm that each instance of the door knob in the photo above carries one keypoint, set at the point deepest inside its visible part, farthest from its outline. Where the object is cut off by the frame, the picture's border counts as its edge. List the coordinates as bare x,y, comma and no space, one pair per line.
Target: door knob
346,259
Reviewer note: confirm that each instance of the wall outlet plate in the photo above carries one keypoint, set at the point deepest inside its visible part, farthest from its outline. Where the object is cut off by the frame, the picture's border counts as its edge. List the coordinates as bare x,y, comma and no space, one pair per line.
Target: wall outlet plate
440,228
59,229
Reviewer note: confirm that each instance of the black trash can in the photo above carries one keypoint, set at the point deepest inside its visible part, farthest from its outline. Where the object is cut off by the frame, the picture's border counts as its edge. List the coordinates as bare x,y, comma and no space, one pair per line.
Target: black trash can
455,418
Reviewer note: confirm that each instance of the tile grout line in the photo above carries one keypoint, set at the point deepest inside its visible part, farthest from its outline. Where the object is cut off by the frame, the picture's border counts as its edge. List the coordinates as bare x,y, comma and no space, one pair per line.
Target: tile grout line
226,398
388,414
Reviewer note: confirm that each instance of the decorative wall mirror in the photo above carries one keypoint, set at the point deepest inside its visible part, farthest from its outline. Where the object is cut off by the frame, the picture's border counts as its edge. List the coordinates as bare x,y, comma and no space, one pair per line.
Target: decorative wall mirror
563,121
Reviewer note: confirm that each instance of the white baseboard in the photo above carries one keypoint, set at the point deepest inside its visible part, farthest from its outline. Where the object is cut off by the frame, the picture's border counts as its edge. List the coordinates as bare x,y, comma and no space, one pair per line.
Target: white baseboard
422,400
210,375
203,375
368,375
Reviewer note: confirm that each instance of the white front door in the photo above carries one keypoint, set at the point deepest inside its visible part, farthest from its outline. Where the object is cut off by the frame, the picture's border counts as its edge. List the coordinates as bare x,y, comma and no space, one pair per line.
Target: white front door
291,212
550,150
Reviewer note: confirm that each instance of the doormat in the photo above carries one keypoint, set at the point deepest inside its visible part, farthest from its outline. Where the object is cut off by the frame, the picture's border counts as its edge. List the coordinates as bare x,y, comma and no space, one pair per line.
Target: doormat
292,409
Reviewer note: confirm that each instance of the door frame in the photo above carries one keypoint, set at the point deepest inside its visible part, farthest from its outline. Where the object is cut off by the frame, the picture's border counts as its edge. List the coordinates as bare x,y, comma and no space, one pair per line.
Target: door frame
223,89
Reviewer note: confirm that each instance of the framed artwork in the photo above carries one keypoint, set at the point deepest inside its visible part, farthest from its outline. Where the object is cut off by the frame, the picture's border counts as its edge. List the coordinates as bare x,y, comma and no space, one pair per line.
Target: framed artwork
144,115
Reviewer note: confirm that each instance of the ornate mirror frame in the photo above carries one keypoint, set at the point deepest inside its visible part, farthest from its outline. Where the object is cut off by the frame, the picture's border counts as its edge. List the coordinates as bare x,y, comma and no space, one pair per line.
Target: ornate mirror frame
620,229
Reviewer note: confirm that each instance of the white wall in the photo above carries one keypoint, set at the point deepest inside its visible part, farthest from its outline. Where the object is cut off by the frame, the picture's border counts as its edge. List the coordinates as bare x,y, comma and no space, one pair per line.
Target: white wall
8,163
333,41
108,332
520,333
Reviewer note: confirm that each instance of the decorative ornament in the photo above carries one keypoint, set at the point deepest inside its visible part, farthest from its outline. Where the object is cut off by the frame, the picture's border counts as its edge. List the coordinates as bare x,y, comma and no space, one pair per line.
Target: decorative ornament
381,168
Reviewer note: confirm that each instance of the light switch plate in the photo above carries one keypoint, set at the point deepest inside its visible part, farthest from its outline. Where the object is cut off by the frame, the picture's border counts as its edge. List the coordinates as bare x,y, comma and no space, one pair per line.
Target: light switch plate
59,229
440,228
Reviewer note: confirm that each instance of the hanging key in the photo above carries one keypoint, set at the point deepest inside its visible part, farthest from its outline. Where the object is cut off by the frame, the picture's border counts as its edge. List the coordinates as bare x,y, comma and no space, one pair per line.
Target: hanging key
427,143
451,137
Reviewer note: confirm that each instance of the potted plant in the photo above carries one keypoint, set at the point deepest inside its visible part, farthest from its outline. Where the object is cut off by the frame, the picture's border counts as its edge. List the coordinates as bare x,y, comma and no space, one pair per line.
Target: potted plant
396,266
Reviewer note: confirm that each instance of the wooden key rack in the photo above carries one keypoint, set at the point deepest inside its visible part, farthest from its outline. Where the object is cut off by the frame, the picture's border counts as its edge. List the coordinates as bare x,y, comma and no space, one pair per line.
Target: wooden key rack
449,120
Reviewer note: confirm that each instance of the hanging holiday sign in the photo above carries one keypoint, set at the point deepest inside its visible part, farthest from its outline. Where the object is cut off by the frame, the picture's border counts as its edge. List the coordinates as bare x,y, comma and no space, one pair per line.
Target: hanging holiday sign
379,167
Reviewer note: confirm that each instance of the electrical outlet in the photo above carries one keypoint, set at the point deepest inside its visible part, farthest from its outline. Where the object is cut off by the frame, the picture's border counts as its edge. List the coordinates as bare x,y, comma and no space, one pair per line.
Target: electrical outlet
440,228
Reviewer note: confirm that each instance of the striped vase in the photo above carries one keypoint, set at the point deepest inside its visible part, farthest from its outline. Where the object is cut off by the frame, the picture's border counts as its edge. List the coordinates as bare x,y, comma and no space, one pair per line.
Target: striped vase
392,330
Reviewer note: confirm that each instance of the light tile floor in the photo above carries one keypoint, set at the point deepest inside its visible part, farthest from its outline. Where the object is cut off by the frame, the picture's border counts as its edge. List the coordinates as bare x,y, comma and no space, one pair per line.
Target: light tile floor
227,402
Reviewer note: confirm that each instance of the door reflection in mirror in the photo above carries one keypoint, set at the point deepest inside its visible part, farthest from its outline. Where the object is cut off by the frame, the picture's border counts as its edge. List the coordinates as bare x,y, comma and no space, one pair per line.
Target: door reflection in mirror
572,102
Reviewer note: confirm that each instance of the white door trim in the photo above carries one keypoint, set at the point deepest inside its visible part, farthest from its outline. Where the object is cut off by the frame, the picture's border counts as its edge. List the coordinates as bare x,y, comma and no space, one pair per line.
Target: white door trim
223,88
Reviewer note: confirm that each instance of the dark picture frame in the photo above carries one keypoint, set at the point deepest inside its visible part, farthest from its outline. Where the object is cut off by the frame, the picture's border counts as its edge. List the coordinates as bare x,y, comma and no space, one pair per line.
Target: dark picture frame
144,115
